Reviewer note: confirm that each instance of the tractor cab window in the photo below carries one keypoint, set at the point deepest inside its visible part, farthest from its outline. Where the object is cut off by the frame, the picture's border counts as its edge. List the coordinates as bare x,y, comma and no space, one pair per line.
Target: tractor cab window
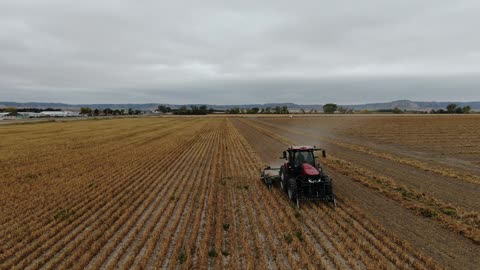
304,157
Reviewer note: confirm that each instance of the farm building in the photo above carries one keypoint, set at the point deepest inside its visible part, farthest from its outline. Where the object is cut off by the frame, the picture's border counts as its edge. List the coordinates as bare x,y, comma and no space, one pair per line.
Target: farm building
32,114
60,113
24,115
11,115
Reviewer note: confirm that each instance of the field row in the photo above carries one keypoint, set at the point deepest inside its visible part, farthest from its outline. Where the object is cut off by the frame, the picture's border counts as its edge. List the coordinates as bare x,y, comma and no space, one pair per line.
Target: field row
174,194
81,210
30,185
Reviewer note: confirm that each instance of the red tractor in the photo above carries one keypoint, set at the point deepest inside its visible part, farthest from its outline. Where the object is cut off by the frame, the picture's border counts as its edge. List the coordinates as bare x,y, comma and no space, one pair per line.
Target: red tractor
301,176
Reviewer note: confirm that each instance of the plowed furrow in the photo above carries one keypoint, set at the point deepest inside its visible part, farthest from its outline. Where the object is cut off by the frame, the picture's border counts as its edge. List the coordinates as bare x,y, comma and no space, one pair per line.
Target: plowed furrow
78,221
97,215
203,174
162,239
70,198
165,197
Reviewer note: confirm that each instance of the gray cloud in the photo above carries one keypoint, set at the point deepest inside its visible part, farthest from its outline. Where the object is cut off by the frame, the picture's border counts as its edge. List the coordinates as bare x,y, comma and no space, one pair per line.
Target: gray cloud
249,51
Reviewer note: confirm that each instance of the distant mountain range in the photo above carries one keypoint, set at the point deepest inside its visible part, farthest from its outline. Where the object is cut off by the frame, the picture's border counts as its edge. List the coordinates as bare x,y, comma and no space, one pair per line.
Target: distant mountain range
401,104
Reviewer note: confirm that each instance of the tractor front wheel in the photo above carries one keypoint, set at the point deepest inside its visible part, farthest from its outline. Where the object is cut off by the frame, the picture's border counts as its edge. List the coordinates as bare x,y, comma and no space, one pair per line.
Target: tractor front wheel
292,189
283,180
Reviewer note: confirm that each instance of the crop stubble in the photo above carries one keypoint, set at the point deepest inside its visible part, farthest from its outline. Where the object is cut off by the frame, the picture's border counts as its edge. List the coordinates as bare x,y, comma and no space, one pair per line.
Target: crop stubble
168,193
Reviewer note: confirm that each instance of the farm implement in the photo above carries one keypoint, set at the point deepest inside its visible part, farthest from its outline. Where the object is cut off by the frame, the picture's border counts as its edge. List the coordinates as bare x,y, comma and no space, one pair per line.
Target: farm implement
300,176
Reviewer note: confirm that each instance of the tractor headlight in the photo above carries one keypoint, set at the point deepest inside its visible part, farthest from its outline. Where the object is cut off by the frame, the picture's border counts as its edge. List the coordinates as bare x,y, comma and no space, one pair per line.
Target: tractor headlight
312,181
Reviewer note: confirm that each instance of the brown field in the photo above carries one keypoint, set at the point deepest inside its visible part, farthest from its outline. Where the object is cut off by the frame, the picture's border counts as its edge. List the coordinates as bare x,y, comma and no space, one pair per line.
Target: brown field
185,193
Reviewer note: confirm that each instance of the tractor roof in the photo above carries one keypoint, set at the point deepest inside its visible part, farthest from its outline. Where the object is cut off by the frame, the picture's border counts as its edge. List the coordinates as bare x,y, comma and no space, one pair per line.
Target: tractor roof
301,148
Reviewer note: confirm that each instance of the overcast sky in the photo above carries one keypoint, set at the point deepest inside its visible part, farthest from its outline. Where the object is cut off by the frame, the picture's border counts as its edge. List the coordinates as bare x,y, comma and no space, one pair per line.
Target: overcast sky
231,52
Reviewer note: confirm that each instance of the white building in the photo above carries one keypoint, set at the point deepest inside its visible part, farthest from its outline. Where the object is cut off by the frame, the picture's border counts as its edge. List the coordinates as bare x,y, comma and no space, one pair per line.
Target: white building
32,114
60,113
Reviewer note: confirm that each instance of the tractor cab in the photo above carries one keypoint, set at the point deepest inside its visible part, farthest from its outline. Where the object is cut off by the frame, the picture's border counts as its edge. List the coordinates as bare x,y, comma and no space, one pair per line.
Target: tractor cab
303,156
300,160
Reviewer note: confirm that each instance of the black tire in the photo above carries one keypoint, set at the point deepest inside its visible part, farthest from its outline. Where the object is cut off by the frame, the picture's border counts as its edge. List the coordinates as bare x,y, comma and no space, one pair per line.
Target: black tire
269,186
329,188
292,189
283,182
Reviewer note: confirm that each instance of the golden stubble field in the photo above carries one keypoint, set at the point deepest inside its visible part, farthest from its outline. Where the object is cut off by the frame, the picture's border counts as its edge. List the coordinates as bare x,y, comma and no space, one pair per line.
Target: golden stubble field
185,193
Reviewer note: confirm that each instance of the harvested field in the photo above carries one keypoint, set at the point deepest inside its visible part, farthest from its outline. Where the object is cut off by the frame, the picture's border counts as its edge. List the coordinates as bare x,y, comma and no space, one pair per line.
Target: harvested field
431,202
185,193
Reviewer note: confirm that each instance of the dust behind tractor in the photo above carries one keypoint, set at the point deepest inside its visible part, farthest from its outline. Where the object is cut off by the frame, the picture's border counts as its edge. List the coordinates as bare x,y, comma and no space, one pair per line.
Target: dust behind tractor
301,176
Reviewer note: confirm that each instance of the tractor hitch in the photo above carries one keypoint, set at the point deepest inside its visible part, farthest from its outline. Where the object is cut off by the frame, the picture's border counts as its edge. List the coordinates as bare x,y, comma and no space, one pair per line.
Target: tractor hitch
270,175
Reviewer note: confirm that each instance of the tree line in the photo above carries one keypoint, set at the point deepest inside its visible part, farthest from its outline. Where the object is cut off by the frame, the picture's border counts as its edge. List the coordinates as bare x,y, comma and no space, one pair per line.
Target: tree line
255,110
202,110
452,108
108,111
184,110
193,110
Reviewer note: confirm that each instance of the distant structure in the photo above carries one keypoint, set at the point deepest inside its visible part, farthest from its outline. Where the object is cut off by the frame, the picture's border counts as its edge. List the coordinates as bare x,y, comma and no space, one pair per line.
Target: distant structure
26,115
31,114
10,115
60,113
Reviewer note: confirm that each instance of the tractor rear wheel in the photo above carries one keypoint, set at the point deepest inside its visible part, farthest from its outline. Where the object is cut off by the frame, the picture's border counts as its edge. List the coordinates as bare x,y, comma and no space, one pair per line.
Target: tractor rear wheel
292,189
